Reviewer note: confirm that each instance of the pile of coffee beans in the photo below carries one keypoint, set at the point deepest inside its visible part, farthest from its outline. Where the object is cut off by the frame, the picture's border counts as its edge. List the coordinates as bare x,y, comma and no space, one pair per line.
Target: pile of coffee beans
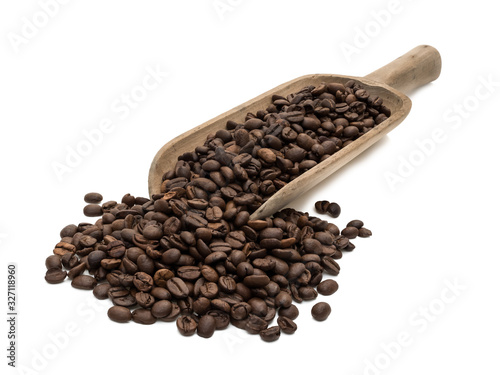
192,255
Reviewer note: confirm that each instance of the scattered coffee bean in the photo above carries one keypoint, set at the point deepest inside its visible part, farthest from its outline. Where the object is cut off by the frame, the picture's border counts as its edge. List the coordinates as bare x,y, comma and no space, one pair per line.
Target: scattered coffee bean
287,325
270,334
94,198
55,275
84,282
206,326
350,232
101,291
321,311
187,325
327,287
291,312
333,210
92,210
119,314
363,232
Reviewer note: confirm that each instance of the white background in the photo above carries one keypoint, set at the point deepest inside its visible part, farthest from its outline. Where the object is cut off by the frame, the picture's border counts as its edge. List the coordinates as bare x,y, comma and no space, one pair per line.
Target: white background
436,228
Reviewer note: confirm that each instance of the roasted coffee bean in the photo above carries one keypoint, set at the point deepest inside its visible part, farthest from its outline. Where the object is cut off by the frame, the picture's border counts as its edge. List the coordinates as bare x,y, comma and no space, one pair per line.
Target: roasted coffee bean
172,317
162,276
363,232
101,291
188,272
161,309
256,281
321,311
119,314
322,206
160,293
327,287
143,282
209,290
177,288
143,316
206,326
307,293
333,210
144,300
283,299
84,282
68,231
287,325
240,311
92,210
270,334
55,275
355,223
258,306
330,265
255,324
53,261
187,325
93,198
291,312
221,318
350,232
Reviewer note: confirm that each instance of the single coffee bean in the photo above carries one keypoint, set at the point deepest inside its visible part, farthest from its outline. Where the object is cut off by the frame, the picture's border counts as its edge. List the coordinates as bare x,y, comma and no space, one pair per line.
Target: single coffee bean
287,325
144,299
206,326
119,314
363,232
327,287
350,232
53,261
322,206
101,291
222,319
161,309
186,325
270,334
92,210
240,311
143,281
291,312
69,231
177,288
355,223
172,317
143,316
321,311
333,210
256,281
84,282
255,324
93,198
55,275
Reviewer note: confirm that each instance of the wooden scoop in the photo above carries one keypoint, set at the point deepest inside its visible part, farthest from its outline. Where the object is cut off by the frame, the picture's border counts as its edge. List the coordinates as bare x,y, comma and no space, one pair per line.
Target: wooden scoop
419,66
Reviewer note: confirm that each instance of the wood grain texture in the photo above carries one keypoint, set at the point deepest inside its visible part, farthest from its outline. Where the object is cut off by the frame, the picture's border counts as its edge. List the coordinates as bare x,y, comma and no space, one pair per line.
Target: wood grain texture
419,66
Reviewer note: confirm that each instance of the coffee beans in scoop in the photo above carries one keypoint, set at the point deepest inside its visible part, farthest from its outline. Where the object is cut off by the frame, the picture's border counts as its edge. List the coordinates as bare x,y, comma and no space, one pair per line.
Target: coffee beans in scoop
191,254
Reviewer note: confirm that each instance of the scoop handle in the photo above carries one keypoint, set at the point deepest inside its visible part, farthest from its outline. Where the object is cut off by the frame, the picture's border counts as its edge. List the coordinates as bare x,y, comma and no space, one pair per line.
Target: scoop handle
415,68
